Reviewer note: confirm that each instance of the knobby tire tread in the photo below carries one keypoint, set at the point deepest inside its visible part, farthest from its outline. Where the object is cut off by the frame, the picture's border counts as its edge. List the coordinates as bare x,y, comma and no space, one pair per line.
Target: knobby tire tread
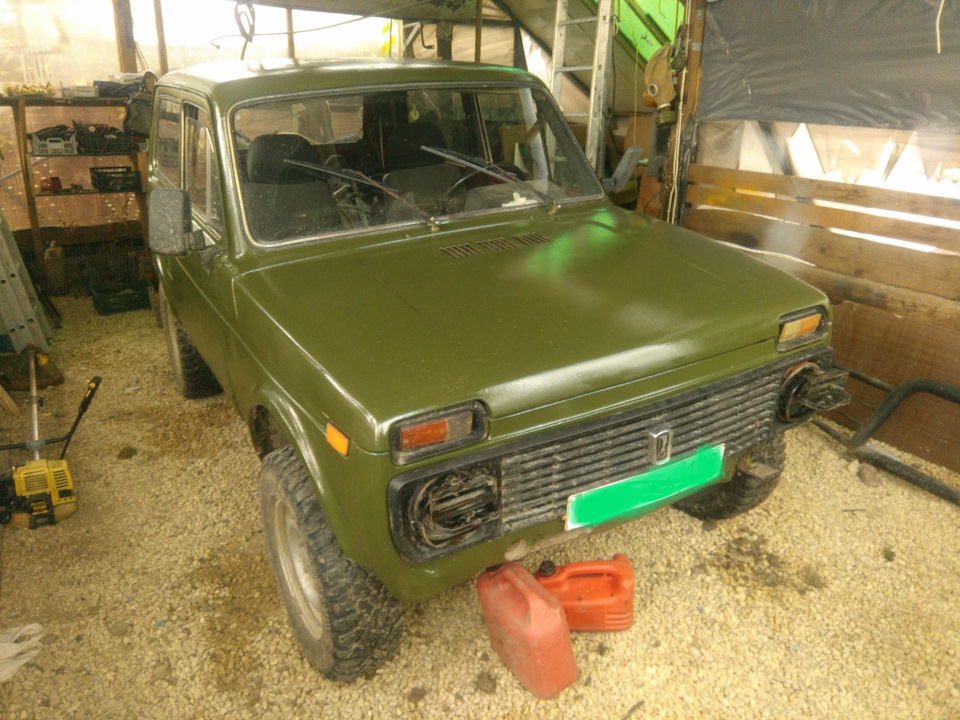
744,491
363,621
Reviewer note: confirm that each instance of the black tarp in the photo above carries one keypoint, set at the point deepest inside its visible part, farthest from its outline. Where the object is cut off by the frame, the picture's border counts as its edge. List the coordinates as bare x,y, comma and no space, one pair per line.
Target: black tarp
868,63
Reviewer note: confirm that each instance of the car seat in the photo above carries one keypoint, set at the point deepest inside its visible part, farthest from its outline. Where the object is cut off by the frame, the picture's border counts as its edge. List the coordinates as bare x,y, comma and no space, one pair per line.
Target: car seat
417,175
284,201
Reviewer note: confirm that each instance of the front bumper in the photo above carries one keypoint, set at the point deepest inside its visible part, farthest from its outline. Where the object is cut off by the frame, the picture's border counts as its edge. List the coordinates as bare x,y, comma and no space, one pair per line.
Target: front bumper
515,487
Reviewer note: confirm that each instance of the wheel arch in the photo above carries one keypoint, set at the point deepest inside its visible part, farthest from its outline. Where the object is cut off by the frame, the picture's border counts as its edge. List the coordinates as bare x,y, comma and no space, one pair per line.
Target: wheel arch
273,422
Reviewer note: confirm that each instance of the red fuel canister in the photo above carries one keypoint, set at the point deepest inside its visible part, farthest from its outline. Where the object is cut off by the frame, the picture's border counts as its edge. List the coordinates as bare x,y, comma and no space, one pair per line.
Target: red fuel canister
596,595
527,629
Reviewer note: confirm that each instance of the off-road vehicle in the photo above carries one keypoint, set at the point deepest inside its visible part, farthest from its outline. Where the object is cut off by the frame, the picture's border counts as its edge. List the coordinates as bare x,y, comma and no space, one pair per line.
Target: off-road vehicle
448,346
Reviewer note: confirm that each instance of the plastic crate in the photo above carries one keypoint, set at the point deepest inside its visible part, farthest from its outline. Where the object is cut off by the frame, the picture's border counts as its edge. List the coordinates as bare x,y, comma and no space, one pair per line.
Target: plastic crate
110,299
115,179
53,146
101,139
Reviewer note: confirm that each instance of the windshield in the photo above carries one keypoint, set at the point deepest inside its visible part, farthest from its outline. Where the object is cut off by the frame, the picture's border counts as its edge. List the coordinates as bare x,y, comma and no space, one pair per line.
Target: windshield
317,166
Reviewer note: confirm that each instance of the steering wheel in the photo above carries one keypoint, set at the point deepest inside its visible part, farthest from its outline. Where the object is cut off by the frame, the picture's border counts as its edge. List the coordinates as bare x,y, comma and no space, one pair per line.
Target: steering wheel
507,167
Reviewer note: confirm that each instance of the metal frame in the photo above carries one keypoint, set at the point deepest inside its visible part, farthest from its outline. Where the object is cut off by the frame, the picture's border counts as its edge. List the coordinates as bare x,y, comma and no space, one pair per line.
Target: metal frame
879,457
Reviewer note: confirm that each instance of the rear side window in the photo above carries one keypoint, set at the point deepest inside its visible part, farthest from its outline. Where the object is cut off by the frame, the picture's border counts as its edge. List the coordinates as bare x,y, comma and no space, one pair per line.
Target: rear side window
167,147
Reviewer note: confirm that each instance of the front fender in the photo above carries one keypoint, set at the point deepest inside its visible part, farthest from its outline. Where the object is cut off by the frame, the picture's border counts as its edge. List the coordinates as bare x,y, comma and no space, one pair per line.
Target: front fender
330,472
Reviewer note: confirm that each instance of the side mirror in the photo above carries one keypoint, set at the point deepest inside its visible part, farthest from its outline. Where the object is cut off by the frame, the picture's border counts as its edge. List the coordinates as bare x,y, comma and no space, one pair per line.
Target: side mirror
628,163
170,227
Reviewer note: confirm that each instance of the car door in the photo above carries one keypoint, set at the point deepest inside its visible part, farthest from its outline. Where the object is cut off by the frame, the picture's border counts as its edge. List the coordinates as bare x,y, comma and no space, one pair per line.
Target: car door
197,285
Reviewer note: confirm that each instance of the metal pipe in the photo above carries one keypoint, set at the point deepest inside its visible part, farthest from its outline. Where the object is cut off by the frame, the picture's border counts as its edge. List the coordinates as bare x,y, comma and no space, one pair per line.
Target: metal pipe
881,458
893,400
884,460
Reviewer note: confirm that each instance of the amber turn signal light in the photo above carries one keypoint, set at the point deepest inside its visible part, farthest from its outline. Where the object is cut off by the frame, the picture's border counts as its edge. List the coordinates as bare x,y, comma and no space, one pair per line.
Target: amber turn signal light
801,328
437,432
338,441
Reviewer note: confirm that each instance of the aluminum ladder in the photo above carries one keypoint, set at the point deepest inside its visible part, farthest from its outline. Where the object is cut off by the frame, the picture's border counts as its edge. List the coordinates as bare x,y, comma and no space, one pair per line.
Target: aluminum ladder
22,316
602,48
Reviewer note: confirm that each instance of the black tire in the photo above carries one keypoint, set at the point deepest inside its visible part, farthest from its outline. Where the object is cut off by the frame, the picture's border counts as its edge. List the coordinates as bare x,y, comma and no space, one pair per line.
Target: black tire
347,623
744,491
190,373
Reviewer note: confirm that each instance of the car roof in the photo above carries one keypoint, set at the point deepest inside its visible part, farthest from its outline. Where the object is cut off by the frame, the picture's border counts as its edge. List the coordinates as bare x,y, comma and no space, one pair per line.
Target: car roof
225,83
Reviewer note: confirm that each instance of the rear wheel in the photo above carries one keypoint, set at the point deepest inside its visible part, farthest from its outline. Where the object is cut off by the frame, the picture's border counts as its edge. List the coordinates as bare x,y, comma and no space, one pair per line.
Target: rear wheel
347,623
190,373
753,481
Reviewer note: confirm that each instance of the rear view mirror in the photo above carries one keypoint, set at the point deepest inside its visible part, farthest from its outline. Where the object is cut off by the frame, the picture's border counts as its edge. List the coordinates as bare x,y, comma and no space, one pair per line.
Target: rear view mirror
170,227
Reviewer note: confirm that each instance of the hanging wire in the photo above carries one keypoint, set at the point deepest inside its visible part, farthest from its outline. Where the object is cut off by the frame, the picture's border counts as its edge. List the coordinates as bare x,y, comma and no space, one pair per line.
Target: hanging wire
939,13
246,19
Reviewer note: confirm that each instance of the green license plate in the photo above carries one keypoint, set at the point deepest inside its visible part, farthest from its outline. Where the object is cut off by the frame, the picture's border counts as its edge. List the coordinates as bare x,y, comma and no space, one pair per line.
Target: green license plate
643,493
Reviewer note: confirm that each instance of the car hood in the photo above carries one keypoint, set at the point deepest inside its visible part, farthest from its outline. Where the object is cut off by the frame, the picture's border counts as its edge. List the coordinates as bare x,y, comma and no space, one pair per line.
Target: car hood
516,315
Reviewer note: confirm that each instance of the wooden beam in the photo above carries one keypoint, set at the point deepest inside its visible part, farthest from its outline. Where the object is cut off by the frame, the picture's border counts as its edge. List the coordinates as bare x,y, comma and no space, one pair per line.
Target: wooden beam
822,216
913,203
126,45
907,303
933,273
29,188
291,49
161,37
444,40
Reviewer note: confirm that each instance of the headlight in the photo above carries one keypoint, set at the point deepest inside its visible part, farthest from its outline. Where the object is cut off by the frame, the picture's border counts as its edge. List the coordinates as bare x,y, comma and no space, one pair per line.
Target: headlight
437,432
802,327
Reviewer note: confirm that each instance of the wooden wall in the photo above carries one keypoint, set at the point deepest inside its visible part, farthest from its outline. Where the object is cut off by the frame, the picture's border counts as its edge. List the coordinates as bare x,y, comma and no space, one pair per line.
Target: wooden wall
898,308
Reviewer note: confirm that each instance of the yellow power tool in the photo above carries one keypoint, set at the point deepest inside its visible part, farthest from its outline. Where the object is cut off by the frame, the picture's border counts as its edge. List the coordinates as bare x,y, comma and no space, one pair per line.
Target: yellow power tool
40,491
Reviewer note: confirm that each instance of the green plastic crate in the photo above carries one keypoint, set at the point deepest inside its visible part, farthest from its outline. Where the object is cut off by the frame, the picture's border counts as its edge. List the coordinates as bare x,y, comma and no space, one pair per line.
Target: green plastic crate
110,299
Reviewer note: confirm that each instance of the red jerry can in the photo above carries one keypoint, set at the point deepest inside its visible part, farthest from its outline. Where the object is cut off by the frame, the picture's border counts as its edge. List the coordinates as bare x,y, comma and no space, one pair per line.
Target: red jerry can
596,595
527,629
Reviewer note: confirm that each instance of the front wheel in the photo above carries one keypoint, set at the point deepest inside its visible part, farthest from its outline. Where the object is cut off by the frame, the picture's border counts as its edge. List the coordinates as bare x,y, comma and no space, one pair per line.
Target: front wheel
753,481
347,623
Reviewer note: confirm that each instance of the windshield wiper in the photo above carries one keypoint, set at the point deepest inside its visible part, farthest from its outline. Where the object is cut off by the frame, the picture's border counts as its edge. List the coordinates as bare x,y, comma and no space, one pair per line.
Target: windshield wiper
356,175
488,168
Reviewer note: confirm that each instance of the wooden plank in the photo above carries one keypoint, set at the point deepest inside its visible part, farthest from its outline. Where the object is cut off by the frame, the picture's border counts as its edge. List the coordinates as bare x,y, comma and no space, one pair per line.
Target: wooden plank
161,37
126,44
895,350
29,187
933,273
908,303
821,216
871,197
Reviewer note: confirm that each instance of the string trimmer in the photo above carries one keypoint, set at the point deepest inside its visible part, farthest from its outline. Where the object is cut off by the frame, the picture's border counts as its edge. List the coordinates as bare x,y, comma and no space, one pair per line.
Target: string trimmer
40,491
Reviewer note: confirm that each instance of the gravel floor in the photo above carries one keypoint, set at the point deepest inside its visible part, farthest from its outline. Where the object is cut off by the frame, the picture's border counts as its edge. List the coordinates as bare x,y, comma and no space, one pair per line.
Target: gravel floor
833,599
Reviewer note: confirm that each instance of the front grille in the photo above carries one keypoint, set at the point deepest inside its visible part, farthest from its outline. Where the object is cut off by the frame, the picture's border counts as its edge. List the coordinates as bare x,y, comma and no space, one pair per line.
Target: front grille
536,481
537,475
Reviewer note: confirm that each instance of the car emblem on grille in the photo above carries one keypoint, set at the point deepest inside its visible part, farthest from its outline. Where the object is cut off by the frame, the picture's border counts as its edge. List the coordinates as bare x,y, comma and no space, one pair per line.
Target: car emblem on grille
661,443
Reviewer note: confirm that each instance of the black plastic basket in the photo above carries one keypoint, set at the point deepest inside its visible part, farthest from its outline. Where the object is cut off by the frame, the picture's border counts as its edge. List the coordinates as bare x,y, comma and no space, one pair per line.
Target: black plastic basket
101,139
110,299
115,179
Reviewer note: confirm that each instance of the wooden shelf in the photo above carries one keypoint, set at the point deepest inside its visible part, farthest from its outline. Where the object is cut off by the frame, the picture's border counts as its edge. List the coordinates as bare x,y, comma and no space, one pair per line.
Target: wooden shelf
46,101
40,233
80,154
85,191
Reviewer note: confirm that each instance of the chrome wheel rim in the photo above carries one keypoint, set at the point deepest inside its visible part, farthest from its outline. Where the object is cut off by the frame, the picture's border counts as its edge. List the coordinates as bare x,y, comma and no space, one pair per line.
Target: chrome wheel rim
296,567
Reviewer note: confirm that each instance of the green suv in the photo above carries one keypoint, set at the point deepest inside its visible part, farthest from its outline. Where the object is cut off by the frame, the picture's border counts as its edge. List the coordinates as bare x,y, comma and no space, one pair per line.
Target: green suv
448,346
